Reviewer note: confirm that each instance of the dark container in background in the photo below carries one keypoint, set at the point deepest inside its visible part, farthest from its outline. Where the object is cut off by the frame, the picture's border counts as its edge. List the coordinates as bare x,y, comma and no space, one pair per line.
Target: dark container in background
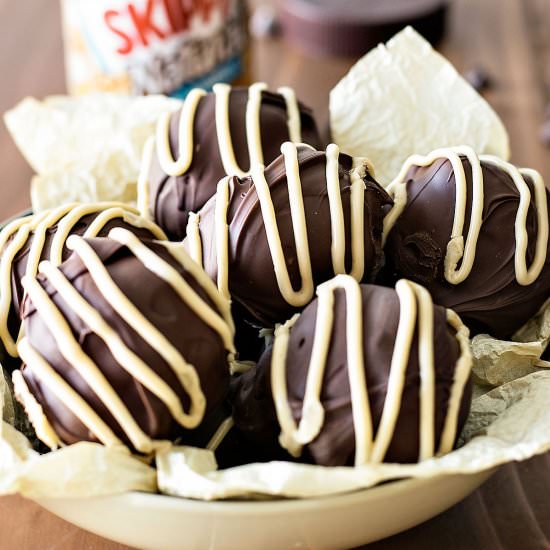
352,27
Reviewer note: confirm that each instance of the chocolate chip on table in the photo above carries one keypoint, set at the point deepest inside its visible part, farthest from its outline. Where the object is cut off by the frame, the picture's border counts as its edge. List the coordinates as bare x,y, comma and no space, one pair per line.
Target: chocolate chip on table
544,134
264,22
478,78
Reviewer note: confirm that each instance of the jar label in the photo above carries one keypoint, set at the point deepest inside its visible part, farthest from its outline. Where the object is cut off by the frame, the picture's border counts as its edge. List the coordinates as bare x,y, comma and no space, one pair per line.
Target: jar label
152,46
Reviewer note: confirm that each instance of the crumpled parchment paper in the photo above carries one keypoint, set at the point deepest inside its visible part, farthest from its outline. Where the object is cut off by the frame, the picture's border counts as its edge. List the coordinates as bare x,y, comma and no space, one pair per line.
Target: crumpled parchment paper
506,423
497,362
537,328
81,470
404,98
85,149
512,422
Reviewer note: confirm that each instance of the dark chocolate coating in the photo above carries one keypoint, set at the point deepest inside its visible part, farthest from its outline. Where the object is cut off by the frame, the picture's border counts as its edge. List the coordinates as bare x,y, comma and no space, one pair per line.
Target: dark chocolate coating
489,300
252,399
20,261
172,198
256,429
197,342
252,281
22,257
249,343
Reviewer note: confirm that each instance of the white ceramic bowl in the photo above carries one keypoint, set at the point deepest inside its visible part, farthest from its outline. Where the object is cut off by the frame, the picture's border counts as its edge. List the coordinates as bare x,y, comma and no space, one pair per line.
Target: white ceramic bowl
344,521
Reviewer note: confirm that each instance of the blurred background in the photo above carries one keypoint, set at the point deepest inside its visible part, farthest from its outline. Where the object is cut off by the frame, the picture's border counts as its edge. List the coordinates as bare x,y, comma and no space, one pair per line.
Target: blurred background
501,46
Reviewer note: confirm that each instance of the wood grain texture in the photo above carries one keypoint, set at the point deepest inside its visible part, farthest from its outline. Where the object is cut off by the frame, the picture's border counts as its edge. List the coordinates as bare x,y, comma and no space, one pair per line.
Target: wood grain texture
30,65
510,39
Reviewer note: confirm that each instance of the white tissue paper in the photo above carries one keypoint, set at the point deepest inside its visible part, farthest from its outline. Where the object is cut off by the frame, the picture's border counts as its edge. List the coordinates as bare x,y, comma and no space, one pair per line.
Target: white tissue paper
404,98
85,149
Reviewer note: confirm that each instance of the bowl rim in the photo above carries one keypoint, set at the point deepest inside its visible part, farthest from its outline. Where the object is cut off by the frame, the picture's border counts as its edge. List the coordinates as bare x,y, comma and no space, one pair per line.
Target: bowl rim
276,505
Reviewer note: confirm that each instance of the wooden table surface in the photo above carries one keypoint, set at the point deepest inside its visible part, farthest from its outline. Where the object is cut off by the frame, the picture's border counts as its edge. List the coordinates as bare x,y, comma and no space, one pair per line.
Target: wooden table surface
511,40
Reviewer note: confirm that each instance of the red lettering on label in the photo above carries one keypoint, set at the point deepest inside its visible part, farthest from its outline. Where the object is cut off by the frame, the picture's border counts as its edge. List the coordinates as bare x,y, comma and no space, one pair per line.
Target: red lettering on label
179,20
205,8
144,23
179,14
127,46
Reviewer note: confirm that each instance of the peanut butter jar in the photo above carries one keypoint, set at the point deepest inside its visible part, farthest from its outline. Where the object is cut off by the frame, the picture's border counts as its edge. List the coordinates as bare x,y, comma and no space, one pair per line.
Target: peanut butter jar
153,46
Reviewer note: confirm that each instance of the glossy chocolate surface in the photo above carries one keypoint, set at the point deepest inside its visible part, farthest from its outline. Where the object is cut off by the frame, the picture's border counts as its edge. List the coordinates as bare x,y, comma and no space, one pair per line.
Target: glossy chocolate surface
173,197
22,257
252,280
254,412
197,342
489,300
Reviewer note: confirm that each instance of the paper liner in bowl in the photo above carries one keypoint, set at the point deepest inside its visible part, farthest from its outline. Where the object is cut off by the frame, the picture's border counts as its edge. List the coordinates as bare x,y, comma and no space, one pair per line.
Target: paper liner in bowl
511,422
85,149
404,98
497,362
81,470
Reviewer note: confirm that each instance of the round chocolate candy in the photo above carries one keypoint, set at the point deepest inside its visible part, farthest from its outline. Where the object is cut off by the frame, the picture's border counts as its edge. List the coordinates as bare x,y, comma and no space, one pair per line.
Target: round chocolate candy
215,134
26,241
474,231
365,374
126,343
268,239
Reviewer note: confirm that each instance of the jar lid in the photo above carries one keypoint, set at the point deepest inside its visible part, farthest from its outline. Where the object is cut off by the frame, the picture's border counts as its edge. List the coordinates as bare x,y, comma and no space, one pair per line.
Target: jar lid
352,27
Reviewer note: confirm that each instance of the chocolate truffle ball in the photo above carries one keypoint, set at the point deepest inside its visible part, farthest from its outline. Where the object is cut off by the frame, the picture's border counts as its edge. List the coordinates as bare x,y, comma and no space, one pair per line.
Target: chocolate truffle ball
126,343
494,271
403,406
213,135
268,239
26,241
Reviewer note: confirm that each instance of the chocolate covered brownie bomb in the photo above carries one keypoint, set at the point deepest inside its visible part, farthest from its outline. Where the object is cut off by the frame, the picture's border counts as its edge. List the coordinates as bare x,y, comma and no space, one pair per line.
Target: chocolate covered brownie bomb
126,343
366,374
215,134
268,239
26,241
473,230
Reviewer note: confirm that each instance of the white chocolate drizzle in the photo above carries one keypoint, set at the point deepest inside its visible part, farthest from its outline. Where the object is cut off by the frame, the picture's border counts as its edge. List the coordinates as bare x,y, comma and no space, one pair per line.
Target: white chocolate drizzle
222,236
73,353
457,250
179,166
44,430
415,312
305,293
65,217
195,244
219,435
185,136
